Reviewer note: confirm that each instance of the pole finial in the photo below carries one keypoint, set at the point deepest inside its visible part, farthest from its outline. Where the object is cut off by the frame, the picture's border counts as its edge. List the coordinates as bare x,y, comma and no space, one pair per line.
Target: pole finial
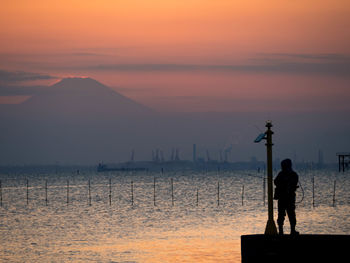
268,124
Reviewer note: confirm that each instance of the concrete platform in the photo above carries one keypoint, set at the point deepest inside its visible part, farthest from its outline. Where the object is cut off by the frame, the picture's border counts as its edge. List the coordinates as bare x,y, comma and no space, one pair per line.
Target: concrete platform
301,248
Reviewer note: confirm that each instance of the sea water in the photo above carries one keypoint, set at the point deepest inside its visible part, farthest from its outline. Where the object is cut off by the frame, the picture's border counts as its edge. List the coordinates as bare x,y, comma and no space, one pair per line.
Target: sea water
154,217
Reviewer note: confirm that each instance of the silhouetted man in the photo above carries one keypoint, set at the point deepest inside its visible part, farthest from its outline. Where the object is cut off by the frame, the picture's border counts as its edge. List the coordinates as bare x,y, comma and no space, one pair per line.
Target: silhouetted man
286,184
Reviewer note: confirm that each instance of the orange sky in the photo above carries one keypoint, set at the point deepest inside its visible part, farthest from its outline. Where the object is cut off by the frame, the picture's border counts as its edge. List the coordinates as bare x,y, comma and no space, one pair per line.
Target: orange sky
98,38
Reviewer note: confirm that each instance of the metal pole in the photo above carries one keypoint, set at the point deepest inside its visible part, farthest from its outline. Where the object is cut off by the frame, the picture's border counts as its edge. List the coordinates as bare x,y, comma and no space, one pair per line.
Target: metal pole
218,193
67,192
110,191
154,191
242,195
132,193
172,192
270,226
27,191
334,193
89,191
46,192
0,193
264,190
313,191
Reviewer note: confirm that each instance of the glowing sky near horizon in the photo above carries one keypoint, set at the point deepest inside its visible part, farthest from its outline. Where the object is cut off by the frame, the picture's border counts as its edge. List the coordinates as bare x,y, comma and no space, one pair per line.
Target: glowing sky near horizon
193,55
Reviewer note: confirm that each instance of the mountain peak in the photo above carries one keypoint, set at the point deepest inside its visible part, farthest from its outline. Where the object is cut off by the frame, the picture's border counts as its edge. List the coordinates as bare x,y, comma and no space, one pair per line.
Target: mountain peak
84,97
77,79
77,82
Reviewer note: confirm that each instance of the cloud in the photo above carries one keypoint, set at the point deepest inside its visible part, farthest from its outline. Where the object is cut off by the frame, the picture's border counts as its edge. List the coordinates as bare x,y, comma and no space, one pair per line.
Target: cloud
83,54
321,64
10,83
310,56
9,90
10,77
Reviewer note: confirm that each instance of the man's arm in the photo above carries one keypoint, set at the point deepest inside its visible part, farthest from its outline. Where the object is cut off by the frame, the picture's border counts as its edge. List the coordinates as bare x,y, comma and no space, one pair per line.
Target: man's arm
277,179
296,180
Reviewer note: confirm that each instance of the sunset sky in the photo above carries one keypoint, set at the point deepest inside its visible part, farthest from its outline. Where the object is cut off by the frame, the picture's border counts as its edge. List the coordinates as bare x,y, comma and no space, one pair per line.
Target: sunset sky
196,82
184,55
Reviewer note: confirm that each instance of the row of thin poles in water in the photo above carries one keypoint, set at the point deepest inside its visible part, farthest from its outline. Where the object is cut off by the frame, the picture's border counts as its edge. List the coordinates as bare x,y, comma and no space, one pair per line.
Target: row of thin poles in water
154,192
131,192
313,192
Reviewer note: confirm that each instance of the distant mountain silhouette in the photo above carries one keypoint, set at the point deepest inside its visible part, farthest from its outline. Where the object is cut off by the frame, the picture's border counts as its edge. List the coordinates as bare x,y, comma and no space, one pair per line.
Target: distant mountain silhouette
75,120
81,97
81,121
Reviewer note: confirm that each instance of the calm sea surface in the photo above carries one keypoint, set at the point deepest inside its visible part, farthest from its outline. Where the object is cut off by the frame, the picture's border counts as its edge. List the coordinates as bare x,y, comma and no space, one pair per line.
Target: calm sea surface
150,219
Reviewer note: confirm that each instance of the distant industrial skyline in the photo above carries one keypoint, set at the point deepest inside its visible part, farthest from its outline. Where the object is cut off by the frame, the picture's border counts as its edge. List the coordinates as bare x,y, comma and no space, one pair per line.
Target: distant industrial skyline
212,71
128,127
81,121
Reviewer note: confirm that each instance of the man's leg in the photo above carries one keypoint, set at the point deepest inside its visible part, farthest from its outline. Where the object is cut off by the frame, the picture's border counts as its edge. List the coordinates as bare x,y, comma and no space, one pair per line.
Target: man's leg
292,218
281,215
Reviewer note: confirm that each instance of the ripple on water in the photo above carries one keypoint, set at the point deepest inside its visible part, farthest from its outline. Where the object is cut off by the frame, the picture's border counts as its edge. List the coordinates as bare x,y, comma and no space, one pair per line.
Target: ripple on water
185,232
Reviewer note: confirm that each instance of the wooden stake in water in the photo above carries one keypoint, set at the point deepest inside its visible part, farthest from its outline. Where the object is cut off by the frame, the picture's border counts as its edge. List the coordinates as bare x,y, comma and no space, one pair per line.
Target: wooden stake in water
264,190
313,191
27,192
197,197
89,192
46,192
0,193
242,195
67,192
218,193
334,193
154,191
172,192
132,193
110,191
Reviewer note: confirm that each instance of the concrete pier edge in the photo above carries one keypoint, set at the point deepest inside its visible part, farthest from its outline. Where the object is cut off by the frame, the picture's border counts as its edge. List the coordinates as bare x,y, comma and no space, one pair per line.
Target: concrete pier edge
301,248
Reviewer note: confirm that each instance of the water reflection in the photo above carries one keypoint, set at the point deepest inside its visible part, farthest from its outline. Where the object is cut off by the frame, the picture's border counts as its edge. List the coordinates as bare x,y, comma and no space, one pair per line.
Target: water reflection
200,245
146,232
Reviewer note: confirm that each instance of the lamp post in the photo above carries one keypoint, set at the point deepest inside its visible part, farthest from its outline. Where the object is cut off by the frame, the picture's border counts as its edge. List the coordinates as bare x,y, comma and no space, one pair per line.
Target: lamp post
270,226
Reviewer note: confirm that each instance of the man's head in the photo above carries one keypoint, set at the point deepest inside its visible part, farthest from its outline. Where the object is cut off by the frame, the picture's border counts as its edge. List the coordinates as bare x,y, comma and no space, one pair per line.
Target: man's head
286,165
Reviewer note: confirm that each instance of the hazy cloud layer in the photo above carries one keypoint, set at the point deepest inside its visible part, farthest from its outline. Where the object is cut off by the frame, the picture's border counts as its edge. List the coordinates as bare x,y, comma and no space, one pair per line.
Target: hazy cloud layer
326,57
6,90
9,77
330,64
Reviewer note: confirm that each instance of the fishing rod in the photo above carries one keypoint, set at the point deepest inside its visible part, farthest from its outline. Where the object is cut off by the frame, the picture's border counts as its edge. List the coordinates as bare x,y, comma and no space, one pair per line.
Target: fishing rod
302,193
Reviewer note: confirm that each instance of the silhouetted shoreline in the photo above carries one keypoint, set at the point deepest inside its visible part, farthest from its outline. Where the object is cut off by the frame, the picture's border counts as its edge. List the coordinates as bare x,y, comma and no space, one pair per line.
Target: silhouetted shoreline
185,165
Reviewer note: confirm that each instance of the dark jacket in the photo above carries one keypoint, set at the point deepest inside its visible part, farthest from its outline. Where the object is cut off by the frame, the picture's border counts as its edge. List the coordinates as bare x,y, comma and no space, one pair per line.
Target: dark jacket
286,184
